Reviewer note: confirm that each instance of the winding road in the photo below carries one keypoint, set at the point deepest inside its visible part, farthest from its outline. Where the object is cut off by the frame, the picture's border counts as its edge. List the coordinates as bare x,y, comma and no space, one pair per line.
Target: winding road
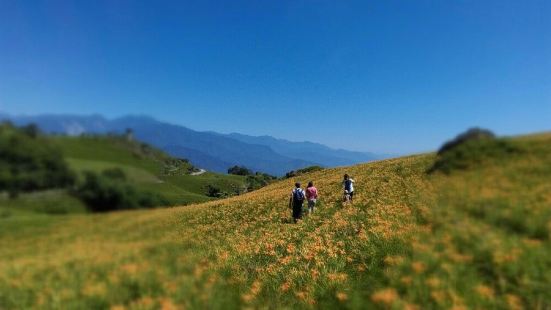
201,171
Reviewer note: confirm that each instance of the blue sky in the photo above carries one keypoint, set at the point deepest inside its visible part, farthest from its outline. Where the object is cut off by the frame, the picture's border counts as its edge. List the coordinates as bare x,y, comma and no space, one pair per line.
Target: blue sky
384,76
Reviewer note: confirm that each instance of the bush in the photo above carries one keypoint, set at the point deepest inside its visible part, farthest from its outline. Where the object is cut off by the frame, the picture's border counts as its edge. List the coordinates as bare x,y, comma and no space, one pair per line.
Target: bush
259,180
294,173
213,191
471,149
177,166
238,170
469,135
30,161
107,192
114,174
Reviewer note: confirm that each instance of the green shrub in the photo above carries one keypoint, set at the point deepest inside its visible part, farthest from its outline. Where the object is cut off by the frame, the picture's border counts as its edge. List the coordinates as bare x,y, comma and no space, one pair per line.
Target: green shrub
30,161
294,173
108,192
469,135
470,150
238,170
259,180
177,166
115,174
213,191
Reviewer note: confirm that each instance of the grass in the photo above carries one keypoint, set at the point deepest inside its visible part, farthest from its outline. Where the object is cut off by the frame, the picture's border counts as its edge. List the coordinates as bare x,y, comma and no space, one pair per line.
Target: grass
112,150
144,167
134,173
50,201
474,238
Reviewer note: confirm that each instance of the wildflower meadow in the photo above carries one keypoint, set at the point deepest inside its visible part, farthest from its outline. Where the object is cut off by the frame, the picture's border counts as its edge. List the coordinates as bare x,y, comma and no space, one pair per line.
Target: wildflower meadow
477,238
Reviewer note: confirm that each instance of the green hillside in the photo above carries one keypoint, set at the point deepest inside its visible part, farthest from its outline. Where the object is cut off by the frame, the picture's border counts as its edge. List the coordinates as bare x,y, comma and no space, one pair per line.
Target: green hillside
147,168
477,236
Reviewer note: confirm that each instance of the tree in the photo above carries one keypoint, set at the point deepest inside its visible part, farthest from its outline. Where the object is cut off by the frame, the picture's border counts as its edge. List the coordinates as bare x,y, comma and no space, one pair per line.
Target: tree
294,173
109,191
30,161
238,170
469,135
31,130
471,149
213,191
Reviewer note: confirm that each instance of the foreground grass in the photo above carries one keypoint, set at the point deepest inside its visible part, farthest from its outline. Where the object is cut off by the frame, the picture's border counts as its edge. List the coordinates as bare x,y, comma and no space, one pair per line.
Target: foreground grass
473,239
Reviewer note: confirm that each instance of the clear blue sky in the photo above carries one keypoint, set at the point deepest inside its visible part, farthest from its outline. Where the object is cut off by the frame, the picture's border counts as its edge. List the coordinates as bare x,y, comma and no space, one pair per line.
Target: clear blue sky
384,76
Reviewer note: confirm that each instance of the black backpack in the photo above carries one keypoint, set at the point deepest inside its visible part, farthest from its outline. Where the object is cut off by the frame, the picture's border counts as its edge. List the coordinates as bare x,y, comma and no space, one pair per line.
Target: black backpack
348,185
298,195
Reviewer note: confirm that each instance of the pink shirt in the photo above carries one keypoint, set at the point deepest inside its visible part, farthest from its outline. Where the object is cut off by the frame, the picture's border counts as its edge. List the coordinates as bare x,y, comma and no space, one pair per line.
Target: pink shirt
311,193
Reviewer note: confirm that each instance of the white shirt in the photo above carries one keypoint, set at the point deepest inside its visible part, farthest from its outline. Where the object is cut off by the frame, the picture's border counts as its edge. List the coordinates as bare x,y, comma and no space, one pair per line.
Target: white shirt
351,184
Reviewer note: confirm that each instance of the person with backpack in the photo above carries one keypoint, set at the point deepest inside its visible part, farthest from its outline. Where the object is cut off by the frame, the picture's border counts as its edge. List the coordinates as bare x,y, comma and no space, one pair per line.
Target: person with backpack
311,196
348,184
296,201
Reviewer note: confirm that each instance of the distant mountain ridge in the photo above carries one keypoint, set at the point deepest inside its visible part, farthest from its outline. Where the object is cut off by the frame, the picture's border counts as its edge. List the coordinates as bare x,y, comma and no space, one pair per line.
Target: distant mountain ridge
314,151
209,150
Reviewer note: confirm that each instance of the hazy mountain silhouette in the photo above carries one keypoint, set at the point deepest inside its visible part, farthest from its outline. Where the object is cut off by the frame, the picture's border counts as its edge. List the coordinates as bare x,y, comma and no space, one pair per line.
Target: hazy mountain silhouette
315,152
208,150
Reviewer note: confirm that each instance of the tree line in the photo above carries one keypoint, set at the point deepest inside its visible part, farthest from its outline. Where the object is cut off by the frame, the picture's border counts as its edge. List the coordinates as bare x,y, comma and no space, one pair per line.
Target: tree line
31,161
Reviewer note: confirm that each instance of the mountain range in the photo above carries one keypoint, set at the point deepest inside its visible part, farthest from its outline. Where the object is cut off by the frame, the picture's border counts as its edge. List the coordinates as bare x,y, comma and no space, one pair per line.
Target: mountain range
209,150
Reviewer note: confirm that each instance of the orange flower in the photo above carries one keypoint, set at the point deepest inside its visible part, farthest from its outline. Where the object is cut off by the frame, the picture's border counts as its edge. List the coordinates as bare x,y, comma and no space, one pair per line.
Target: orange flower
167,304
247,297
224,255
337,277
418,267
342,296
393,260
438,296
411,307
285,287
514,302
386,296
315,274
485,291
433,282
290,248
130,268
301,295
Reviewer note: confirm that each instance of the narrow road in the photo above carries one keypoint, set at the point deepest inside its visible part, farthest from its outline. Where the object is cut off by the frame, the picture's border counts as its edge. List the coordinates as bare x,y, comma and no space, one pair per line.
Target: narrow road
201,171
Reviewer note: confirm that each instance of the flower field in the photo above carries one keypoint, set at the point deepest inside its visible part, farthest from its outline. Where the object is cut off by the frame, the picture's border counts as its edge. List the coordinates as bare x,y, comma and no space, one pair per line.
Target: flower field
472,239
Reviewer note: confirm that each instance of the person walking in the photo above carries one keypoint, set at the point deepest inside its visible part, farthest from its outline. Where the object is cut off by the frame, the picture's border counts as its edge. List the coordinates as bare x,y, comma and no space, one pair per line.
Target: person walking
311,196
348,184
296,201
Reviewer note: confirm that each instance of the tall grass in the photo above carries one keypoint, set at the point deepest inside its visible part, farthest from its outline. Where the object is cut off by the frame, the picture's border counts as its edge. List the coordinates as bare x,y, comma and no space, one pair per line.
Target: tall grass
476,238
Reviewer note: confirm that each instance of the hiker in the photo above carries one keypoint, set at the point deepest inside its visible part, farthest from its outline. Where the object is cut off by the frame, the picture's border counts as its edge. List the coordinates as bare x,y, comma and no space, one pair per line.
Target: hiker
311,196
346,196
296,201
348,184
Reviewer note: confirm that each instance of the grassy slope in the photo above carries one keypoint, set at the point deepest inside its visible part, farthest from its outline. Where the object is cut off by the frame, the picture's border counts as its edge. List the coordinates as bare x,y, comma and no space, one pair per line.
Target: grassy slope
143,169
477,239
111,150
